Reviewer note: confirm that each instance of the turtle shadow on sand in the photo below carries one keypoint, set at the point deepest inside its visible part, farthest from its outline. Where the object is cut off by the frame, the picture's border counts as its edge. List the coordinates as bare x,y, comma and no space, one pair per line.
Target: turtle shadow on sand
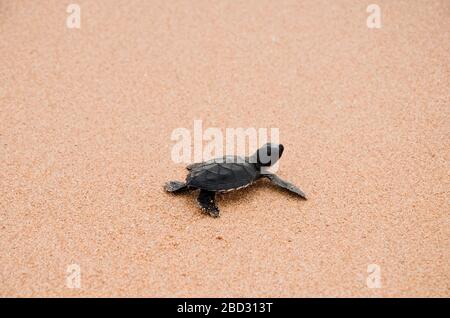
229,173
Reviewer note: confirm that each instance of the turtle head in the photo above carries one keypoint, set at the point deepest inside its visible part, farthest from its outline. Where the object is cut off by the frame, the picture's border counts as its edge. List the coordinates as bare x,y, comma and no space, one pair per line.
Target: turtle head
267,155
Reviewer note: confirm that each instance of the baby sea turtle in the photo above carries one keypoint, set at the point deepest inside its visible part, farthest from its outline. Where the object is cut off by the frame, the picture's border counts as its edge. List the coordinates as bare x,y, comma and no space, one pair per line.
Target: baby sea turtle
231,173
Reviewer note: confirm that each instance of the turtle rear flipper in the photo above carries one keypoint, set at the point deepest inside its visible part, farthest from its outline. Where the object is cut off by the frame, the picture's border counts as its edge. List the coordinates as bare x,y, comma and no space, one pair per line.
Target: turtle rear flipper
285,185
194,165
175,186
206,200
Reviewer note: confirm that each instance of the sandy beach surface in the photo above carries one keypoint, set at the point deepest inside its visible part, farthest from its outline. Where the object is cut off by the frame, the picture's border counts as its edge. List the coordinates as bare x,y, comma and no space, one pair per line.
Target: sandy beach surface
86,117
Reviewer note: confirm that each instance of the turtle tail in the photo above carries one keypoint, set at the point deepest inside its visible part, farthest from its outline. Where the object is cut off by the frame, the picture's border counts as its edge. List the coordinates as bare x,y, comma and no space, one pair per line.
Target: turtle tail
175,186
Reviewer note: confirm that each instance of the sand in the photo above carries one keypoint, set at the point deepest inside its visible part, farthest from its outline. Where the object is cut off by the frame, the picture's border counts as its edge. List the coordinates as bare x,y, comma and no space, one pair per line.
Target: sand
86,117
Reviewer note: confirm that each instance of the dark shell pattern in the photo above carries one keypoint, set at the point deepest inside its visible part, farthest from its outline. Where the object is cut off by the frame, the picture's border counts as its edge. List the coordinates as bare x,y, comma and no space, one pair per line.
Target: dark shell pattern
222,175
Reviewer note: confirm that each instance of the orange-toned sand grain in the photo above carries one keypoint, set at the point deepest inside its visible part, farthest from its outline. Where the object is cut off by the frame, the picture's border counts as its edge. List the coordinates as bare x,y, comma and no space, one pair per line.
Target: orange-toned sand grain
86,117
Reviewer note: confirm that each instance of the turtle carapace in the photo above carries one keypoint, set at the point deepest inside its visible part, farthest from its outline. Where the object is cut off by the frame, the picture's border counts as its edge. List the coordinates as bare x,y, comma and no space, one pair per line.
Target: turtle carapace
231,173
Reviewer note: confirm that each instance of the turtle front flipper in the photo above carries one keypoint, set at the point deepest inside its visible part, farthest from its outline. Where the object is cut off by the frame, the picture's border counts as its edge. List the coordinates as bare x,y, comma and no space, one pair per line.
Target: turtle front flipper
206,200
285,185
